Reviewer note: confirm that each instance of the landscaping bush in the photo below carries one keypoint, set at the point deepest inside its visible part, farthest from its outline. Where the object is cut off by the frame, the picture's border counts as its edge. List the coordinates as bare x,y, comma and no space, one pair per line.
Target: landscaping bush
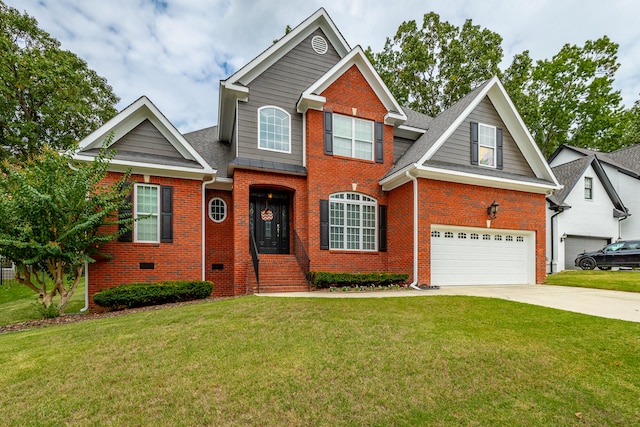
145,294
322,279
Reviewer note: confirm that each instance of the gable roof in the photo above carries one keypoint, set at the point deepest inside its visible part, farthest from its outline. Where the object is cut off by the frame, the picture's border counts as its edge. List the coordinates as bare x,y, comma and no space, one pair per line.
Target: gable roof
626,160
235,88
189,163
569,175
311,97
443,126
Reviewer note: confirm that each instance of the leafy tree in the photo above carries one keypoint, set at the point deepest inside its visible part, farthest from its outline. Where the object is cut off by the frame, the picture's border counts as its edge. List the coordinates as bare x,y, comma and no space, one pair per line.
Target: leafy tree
52,216
631,126
47,95
569,99
430,68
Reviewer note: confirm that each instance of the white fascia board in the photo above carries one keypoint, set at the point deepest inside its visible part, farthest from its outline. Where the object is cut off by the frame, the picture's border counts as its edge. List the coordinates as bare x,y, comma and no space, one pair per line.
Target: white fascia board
514,123
412,129
225,184
320,19
397,179
357,57
153,169
142,109
484,181
309,101
461,118
519,131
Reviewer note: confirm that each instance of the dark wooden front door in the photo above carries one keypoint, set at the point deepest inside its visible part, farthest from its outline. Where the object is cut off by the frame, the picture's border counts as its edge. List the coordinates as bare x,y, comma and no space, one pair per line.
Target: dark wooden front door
269,218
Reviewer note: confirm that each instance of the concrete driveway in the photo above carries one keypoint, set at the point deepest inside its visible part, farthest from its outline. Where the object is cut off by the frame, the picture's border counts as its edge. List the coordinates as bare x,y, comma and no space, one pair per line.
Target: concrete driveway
595,302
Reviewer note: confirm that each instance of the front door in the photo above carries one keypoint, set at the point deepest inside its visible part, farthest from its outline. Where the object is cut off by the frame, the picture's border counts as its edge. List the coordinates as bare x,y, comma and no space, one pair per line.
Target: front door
269,218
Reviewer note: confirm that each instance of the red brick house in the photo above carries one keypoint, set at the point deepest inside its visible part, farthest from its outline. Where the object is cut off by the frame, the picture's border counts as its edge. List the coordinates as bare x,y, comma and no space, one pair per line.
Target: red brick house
315,166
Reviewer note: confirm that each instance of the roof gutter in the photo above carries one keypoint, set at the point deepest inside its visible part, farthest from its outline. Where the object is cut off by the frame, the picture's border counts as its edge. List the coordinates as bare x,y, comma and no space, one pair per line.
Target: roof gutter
414,284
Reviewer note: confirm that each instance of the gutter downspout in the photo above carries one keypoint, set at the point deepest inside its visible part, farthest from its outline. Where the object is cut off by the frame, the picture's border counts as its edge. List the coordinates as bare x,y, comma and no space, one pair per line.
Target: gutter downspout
559,211
414,284
204,216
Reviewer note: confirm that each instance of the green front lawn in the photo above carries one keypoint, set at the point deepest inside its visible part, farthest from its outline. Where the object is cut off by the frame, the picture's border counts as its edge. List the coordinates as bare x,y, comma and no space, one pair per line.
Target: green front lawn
18,303
280,361
625,280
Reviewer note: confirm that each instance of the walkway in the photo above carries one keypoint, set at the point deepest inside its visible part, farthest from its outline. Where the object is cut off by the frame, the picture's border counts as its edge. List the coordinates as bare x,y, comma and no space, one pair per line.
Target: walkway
595,302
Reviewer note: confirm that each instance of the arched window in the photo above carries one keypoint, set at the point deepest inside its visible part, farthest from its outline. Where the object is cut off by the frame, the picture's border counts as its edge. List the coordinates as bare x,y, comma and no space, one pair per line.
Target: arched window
352,222
274,129
217,209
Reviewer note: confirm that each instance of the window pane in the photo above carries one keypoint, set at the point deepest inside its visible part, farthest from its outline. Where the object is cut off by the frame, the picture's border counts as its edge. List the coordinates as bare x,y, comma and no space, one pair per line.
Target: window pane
486,156
487,136
364,130
274,129
364,150
342,126
352,222
342,147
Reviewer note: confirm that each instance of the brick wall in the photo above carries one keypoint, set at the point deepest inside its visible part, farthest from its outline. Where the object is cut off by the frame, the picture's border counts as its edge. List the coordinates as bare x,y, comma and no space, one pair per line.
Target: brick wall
243,181
180,260
219,246
349,95
464,205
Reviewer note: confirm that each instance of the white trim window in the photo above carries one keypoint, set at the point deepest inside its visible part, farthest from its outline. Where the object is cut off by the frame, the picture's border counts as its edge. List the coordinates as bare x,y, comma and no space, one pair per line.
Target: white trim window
147,213
588,188
274,129
486,145
352,137
352,222
217,209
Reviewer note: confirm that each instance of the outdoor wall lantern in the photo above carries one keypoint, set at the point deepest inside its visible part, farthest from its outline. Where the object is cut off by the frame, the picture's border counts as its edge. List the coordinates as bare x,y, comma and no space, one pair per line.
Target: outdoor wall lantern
492,210
563,237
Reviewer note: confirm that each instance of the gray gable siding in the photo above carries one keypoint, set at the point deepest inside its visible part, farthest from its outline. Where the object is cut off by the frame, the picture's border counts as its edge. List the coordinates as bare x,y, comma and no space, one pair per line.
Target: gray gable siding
400,146
146,139
457,150
281,86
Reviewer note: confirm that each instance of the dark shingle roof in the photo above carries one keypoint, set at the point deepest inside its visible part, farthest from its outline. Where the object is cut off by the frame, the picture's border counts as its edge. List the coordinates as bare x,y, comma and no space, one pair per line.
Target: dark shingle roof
437,126
217,154
416,119
628,157
568,174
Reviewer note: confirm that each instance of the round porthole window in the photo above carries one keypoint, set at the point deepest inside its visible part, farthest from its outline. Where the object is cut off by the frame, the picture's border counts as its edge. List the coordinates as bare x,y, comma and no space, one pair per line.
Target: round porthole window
319,45
217,209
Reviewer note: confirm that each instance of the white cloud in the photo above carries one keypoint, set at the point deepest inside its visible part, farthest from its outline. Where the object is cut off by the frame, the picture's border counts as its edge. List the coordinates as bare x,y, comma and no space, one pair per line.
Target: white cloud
175,52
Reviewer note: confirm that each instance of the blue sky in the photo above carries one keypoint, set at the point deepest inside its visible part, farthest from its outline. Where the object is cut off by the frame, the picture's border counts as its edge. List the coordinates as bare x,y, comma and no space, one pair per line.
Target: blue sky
176,51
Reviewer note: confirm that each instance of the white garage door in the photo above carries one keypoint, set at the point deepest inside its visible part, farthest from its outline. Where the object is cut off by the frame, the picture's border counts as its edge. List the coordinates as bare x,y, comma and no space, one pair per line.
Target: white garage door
574,245
472,256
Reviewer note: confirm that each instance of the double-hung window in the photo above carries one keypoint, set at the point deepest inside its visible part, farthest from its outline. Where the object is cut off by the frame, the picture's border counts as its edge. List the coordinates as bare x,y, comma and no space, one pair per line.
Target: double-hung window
352,222
588,188
274,129
352,137
147,209
486,145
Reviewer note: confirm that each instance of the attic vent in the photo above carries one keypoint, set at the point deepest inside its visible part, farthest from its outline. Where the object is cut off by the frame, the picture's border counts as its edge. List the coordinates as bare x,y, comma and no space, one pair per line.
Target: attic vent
319,45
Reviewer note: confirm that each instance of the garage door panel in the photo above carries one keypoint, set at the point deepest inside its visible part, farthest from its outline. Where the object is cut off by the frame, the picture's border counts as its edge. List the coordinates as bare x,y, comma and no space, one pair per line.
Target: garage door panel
574,245
468,256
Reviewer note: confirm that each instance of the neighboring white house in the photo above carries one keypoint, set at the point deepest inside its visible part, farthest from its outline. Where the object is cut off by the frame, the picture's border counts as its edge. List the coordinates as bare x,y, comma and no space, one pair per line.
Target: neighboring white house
601,192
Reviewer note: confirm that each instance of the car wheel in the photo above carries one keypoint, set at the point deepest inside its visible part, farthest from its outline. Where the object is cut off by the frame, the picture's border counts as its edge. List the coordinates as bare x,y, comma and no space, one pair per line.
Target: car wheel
604,268
587,264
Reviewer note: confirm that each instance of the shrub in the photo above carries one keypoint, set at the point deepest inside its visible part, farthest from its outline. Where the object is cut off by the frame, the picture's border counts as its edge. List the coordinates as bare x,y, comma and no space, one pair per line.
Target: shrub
145,294
322,279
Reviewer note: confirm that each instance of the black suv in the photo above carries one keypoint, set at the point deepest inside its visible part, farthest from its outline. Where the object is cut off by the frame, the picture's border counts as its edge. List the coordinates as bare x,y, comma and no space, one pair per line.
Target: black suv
619,254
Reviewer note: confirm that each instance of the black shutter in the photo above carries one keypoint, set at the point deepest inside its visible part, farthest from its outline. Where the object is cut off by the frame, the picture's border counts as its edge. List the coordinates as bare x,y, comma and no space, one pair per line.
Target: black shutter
474,143
379,143
499,148
324,224
166,214
328,133
125,213
382,229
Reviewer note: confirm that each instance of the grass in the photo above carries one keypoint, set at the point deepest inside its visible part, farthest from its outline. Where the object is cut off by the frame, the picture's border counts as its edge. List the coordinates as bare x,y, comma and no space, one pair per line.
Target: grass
349,362
613,280
18,303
